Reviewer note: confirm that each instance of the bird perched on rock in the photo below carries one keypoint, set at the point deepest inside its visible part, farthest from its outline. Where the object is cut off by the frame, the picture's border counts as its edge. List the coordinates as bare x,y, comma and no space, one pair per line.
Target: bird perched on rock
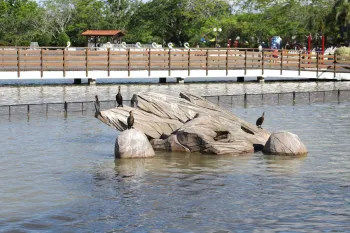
134,101
119,98
97,104
260,120
130,120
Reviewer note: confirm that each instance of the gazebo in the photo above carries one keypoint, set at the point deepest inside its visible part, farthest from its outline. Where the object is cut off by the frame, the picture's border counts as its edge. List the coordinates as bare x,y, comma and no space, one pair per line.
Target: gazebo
93,36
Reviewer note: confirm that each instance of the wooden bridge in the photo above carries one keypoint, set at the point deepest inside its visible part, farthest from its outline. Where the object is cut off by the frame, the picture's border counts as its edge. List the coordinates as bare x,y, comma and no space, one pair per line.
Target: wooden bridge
94,63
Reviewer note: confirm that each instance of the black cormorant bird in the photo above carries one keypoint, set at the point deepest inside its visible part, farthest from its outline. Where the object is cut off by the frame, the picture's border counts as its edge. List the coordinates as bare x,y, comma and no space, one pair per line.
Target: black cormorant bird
97,104
119,98
260,120
134,101
130,120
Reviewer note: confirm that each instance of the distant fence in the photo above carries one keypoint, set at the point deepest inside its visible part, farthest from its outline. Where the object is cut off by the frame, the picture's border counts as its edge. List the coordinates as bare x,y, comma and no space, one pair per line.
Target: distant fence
21,59
226,101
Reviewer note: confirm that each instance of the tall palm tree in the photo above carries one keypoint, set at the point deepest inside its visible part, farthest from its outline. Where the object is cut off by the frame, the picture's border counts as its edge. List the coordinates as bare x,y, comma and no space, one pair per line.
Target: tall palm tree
342,14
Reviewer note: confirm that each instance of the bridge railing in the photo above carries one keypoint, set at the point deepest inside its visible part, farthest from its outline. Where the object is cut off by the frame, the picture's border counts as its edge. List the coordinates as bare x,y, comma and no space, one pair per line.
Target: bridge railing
117,59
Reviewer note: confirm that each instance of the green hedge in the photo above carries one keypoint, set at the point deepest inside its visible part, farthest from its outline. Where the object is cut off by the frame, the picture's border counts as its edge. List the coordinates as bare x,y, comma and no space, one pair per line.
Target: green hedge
343,51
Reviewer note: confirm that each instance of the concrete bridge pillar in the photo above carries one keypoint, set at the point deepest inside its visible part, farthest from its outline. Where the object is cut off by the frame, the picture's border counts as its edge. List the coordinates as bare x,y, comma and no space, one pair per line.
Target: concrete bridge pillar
261,79
240,79
180,80
91,81
77,81
162,80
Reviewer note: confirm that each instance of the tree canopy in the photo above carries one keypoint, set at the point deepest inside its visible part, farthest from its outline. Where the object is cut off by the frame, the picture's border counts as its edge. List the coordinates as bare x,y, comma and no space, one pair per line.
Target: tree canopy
53,22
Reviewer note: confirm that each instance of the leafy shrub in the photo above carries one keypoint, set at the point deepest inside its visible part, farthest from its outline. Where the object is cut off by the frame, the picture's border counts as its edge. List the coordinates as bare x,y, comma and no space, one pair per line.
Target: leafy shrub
343,51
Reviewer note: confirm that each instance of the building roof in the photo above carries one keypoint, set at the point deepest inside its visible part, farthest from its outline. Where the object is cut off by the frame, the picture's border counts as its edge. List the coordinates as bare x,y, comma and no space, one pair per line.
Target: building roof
102,33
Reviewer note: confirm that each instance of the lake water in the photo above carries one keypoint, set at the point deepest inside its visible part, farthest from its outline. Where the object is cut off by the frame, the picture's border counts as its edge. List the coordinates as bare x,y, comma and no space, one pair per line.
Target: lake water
58,173
81,93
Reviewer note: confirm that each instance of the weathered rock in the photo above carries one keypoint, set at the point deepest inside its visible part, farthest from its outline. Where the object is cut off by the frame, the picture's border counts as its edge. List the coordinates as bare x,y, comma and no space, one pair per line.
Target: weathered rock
169,144
284,143
188,124
133,143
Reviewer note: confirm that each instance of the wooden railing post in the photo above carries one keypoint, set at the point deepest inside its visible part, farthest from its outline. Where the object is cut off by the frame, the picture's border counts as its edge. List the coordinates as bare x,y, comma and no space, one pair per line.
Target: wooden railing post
226,62
207,63
18,63
64,62
109,62
299,66
317,68
245,62
281,62
335,65
189,62
169,62
41,63
129,62
149,62
262,62
86,62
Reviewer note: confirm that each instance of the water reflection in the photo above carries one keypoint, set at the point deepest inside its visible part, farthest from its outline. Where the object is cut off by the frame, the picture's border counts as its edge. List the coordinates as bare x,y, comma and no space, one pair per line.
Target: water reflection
284,165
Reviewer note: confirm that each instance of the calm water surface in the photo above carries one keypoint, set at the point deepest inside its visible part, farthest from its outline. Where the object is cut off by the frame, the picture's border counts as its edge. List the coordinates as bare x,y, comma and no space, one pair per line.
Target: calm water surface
81,93
58,174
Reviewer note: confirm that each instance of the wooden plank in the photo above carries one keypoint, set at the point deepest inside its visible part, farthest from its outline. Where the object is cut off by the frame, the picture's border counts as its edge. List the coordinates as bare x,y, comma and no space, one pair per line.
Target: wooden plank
118,58
91,58
198,53
8,52
335,65
54,64
64,62
55,52
72,58
132,53
291,65
149,62
75,53
30,64
109,62
207,63
281,63
189,62
41,63
13,63
129,62
119,53
245,62
262,62
18,63
23,59
179,53
98,53
169,70
73,64
162,53
132,58
8,58
31,52
104,64
227,62
86,62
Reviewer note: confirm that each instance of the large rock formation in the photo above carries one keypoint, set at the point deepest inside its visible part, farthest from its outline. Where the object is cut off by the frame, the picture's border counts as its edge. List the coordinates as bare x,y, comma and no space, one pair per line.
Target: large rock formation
133,143
188,124
284,143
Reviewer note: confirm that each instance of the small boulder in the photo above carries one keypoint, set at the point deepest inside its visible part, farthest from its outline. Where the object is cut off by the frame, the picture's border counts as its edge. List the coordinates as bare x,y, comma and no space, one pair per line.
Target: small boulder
133,143
284,143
